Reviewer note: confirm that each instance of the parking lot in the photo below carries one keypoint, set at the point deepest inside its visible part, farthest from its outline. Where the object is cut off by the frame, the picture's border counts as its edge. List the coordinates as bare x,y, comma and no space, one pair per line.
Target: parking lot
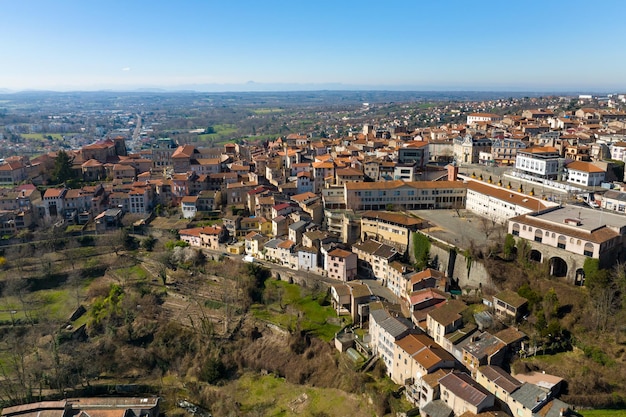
461,230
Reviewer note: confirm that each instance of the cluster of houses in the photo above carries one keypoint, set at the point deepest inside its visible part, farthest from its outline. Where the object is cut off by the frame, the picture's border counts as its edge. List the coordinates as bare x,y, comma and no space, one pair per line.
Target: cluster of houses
341,208
448,364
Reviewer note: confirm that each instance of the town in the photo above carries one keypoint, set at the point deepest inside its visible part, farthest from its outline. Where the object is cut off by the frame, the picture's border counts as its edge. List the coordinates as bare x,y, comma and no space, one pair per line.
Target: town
402,217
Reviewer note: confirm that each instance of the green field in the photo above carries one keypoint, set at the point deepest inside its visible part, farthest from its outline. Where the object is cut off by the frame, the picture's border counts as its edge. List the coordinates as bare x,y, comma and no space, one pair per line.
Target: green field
294,309
44,136
268,110
272,396
220,132
56,304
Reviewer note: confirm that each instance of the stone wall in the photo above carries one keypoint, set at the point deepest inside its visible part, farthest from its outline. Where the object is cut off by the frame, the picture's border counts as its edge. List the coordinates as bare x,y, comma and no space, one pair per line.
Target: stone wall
454,264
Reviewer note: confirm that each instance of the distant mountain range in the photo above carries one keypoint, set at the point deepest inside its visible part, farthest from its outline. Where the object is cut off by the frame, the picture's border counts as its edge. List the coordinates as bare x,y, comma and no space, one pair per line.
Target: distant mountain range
252,86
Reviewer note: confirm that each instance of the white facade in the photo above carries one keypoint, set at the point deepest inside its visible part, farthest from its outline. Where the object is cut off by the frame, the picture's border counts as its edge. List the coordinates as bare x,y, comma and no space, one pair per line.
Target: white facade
540,167
580,177
499,205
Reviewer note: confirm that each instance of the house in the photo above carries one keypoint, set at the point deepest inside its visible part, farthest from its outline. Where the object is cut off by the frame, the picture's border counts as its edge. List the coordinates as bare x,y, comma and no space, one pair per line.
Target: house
254,243
426,389
12,172
188,206
473,118
271,250
297,229
428,278
461,393
285,255
54,202
424,299
374,258
483,349
552,383
212,236
351,298
509,304
182,157
527,400
391,228
109,219
384,331
417,355
585,173
497,381
539,162
344,175
308,259
191,236
341,265
614,200
444,320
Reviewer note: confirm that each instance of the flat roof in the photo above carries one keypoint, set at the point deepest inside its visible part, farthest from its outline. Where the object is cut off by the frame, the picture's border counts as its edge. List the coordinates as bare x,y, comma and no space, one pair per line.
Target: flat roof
590,219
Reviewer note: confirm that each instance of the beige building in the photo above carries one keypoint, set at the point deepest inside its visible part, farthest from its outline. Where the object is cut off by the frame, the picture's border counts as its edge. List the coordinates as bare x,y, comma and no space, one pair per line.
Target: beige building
405,195
391,228
415,356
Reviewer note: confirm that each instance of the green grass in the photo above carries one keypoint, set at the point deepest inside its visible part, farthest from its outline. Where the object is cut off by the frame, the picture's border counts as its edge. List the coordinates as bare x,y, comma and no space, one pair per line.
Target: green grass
136,272
220,132
56,304
273,396
312,316
42,136
267,110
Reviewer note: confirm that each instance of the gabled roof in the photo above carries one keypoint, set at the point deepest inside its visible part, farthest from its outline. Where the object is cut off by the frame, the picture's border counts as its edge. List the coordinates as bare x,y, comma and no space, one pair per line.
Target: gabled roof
54,192
391,325
395,218
340,253
500,377
426,274
424,350
464,387
184,152
448,313
530,396
511,298
584,167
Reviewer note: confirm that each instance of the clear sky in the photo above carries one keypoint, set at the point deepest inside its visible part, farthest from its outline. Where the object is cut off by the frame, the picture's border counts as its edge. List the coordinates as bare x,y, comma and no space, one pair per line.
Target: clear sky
548,45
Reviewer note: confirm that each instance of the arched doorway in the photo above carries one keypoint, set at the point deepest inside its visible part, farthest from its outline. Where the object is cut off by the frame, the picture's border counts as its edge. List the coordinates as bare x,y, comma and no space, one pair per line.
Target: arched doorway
558,267
535,255
579,278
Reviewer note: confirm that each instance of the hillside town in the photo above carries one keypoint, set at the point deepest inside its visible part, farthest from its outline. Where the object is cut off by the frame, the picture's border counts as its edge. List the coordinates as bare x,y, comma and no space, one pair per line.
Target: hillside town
353,211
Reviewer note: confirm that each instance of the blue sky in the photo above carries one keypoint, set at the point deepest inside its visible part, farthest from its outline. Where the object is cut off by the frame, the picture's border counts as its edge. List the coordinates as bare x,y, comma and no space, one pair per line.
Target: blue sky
226,44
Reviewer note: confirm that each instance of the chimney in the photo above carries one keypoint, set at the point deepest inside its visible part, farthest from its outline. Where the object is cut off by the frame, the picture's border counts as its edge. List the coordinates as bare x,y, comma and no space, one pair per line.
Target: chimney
453,171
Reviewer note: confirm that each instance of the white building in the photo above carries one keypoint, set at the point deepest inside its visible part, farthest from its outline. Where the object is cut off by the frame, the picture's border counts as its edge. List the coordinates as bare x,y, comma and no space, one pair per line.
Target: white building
384,331
498,204
585,173
540,162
